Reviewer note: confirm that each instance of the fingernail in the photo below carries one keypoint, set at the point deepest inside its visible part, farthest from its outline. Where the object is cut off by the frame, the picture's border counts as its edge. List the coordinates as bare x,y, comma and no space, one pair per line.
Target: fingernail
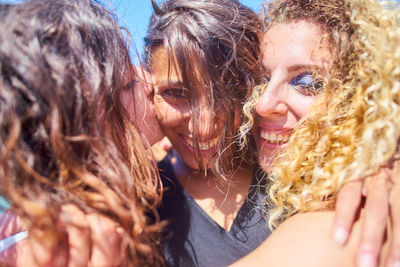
364,191
340,236
366,259
165,146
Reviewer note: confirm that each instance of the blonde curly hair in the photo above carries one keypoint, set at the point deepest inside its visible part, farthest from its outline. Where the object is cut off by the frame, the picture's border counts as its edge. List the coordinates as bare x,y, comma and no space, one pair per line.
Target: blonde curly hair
353,128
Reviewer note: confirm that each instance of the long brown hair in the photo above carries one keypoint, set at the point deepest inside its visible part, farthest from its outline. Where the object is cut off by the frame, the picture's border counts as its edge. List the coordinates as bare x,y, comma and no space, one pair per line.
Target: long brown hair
216,46
64,135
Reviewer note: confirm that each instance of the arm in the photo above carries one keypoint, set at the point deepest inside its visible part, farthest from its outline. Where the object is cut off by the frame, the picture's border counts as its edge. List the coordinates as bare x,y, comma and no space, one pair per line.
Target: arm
303,240
382,193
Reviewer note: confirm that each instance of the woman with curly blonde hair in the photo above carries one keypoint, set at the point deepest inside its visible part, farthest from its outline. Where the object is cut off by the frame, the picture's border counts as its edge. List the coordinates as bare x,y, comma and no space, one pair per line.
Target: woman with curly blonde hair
68,147
347,53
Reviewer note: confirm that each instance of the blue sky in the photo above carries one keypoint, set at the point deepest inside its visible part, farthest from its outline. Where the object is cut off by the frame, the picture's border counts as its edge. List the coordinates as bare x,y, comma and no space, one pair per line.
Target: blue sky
135,15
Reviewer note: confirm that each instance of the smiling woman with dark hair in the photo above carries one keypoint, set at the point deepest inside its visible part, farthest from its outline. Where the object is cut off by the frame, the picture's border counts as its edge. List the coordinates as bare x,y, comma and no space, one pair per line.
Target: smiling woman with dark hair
203,57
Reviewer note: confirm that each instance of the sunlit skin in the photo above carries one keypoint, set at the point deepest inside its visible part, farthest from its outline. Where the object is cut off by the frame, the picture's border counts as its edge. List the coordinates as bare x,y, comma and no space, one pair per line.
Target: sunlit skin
220,201
171,100
292,52
138,102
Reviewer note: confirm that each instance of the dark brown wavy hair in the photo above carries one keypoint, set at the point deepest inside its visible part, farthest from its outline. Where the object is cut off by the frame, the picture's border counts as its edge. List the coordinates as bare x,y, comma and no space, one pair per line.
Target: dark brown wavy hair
216,46
65,137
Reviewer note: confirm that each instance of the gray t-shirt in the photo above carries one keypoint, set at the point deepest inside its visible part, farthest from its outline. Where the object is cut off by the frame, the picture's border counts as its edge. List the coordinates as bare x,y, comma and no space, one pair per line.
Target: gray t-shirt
192,238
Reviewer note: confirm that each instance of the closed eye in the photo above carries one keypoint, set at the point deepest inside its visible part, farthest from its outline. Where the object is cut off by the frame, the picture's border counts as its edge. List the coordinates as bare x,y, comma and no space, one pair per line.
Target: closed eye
306,84
175,93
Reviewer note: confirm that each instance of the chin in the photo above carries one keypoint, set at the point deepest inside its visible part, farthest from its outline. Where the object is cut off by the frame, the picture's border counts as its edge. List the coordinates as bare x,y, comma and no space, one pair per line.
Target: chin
195,166
266,163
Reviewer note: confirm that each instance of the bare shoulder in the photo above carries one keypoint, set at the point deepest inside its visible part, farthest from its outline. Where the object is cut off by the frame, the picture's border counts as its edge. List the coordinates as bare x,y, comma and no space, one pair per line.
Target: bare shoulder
303,240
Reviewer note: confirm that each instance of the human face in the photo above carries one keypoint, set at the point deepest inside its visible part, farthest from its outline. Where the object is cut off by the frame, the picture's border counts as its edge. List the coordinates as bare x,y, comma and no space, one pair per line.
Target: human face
172,102
292,52
138,102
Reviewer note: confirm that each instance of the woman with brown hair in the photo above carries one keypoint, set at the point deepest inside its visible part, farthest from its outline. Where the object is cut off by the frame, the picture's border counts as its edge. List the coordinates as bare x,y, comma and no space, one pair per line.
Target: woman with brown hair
203,57
68,147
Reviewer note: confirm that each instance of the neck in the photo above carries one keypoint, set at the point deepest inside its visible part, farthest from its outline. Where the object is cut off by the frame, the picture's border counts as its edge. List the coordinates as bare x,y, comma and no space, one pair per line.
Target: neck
220,199
185,174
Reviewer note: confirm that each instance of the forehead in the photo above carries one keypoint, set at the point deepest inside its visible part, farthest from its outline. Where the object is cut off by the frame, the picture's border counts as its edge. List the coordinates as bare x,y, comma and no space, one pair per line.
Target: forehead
163,68
295,43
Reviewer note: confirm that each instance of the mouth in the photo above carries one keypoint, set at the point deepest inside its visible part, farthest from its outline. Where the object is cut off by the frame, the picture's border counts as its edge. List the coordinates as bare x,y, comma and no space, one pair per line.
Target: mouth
203,146
276,138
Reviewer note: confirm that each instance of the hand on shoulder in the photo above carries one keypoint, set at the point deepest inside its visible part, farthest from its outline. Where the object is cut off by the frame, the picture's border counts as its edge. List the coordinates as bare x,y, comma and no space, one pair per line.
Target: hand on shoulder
91,239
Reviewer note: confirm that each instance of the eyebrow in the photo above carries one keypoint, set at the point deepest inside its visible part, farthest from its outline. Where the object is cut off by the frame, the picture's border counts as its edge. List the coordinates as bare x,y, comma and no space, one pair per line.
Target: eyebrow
130,84
169,82
267,70
302,66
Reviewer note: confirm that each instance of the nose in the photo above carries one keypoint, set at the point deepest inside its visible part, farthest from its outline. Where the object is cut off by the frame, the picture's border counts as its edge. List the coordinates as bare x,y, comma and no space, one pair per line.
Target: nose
273,101
205,122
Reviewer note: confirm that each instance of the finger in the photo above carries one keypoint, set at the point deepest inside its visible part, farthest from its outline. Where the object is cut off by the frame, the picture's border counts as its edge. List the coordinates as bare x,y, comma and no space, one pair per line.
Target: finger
161,148
78,231
49,248
9,224
347,206
394,246
106,241
41,248
166,143
23,255
19,253
375,219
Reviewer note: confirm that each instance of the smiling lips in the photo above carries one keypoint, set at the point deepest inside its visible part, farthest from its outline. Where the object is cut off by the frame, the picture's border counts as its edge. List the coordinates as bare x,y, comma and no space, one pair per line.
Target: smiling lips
203,145
274,137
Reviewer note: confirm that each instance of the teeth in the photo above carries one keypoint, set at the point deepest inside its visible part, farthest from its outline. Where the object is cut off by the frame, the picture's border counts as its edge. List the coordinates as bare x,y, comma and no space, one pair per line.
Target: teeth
274,137
204,145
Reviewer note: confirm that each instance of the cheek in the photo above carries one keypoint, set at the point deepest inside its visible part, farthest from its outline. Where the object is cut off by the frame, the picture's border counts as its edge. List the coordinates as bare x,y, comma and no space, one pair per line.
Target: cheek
140,101
137,104
128,103
301,104
170,116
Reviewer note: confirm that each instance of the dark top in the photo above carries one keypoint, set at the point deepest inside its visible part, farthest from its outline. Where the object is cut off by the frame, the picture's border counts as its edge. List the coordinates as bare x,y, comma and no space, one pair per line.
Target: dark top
193,238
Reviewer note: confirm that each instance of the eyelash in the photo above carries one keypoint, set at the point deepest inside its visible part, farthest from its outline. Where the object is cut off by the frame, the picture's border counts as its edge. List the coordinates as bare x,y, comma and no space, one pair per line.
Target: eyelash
266,80
306,84
176,93
308,87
